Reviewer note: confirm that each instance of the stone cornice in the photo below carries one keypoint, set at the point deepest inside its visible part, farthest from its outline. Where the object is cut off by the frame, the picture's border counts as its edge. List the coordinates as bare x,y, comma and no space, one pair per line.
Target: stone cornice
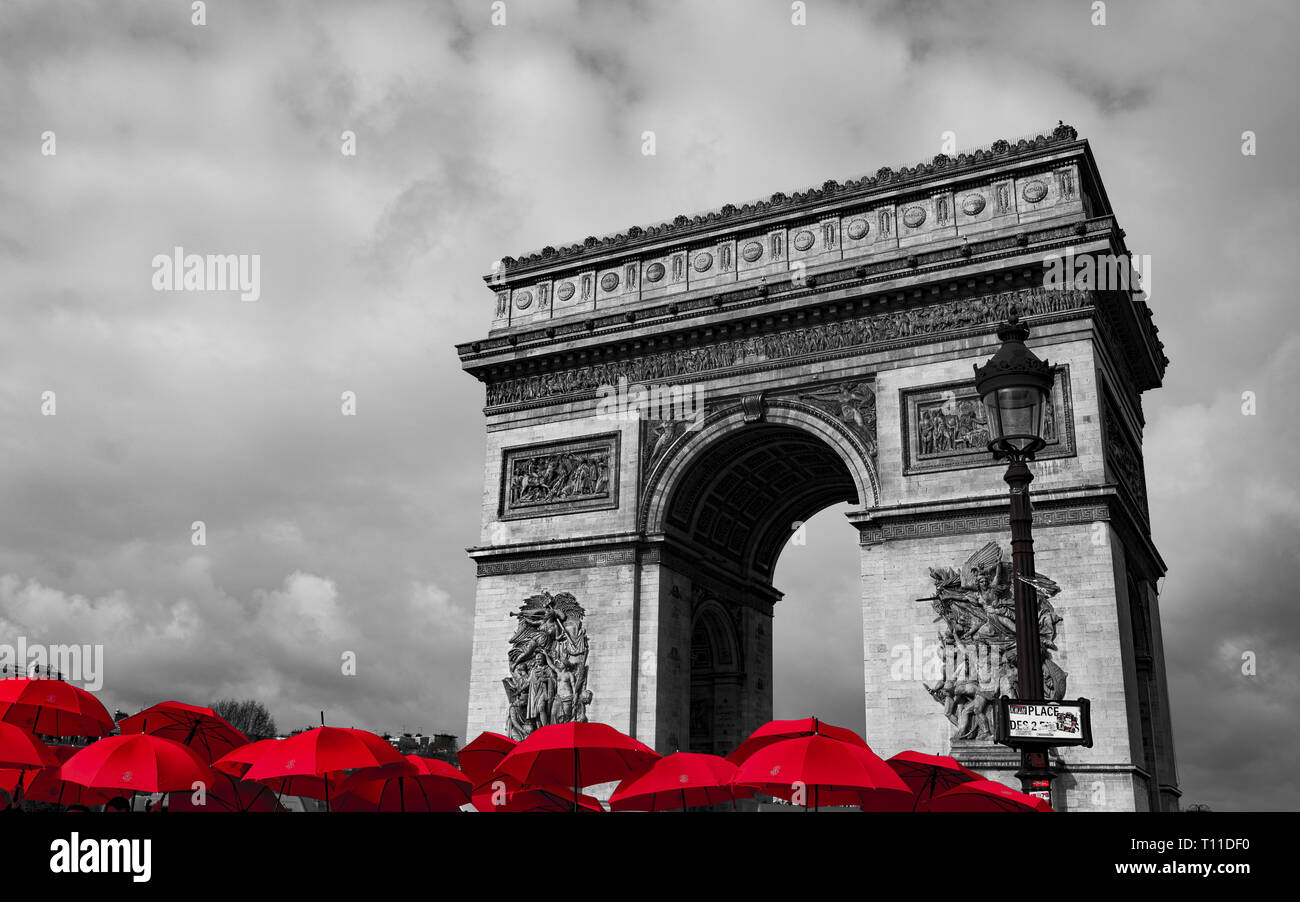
879,276
885,181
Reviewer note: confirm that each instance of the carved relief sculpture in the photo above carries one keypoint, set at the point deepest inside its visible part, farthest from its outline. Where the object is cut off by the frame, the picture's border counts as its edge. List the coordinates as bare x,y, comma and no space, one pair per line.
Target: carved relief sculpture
842,335
557,477
853,404
976,614
561,477
548,665
656,438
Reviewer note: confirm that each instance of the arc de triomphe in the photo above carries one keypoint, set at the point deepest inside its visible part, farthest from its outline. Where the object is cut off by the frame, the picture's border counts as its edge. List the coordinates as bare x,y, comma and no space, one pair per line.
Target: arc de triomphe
664,406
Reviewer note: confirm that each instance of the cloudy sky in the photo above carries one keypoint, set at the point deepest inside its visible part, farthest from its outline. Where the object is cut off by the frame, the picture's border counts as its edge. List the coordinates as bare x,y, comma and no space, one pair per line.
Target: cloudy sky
474,142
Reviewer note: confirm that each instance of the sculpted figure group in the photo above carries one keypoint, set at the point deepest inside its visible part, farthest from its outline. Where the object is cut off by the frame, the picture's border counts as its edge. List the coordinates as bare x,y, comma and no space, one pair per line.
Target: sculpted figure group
548,665
975,611
555,477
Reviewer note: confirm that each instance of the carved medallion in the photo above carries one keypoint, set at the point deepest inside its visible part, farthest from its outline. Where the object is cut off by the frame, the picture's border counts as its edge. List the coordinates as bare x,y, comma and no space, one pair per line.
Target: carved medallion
976,616
565,291
609,281
913,217
548,665
1034,191
654,272
804,240
703,262
858,229
523,299
973,205
752,251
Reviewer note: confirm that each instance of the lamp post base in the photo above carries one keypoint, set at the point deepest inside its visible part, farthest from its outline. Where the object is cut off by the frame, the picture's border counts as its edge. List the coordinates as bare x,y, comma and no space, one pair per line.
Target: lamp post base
1036,775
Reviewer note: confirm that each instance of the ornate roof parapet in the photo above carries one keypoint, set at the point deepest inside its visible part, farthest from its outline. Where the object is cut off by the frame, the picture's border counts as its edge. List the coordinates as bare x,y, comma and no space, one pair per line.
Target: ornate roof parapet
967,228
885,177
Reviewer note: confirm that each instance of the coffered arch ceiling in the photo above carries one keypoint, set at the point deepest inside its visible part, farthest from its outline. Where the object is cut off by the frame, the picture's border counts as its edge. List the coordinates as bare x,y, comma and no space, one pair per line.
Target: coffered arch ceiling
740,498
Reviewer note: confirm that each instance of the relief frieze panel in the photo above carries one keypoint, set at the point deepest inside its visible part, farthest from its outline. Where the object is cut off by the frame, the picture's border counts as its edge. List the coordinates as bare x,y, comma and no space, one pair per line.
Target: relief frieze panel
844,335
1123,456
945,427
560,477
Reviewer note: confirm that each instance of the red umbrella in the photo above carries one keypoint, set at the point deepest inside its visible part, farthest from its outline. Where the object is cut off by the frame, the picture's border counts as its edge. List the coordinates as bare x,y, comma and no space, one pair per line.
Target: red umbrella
682,780
832,772
577,755
48,785
137,763
21,749
237,762
416,784
504,793
52,708
322,753
478,759
22,752
928,775
228,793
202,729
776,730
985,795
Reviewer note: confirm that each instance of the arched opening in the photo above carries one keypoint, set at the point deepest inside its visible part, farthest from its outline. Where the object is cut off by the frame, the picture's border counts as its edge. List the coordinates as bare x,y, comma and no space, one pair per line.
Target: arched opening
729,508
817,653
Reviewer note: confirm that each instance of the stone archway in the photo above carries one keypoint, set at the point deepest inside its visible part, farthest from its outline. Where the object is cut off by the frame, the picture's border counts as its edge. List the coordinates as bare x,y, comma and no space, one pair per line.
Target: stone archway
721,504
823,344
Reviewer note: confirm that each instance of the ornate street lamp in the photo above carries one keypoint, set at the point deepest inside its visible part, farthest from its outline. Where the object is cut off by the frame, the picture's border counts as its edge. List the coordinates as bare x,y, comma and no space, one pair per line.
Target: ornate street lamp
1015,387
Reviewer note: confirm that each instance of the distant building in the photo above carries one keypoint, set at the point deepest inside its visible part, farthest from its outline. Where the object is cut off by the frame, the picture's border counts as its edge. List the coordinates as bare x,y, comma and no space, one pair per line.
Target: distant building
440,745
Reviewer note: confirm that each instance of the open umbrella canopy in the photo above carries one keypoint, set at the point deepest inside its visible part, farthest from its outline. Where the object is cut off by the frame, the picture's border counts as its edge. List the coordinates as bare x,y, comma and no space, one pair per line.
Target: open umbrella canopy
479,758
576,755
985,795
20,749
228,793
929,775
202,729
312,763
817,770
47,783
324,750
237,762
138,762
681,780
776,730
416,784
52,707
504,793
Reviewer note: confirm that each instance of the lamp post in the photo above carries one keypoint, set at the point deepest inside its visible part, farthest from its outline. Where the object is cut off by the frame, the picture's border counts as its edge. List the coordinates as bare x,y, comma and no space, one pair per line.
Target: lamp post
1015,387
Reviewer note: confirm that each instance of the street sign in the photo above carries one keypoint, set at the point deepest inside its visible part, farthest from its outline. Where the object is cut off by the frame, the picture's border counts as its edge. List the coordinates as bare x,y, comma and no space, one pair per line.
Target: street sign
1043,722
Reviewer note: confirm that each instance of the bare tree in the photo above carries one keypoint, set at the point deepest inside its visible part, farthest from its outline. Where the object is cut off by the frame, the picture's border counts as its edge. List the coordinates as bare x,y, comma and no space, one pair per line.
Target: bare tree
249,716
